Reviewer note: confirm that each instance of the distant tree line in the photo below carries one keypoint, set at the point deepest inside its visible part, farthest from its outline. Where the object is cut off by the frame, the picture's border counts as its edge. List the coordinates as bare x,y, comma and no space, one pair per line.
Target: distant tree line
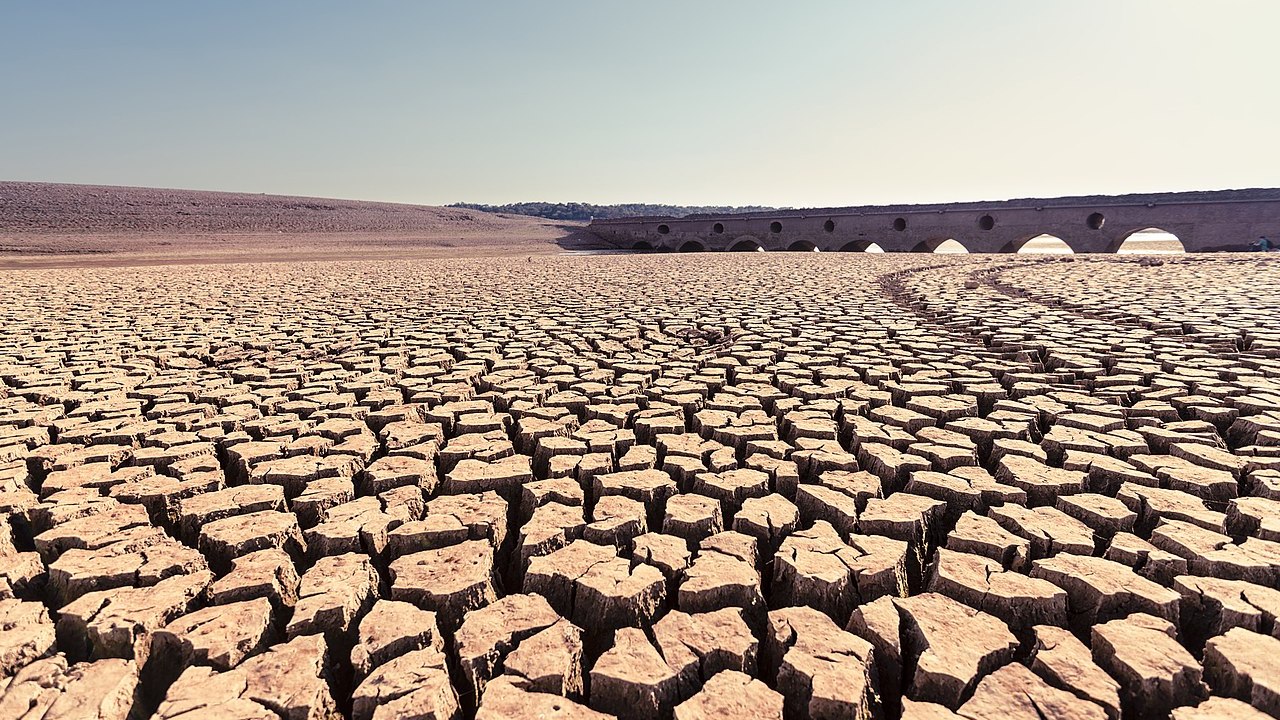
588,211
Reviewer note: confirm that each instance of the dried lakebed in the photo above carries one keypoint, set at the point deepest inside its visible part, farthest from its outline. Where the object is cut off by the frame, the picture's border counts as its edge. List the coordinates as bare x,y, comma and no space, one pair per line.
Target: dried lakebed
780,486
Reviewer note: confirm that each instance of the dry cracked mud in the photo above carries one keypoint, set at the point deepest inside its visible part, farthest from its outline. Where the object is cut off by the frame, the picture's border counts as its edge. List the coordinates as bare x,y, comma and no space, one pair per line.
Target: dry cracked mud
780,486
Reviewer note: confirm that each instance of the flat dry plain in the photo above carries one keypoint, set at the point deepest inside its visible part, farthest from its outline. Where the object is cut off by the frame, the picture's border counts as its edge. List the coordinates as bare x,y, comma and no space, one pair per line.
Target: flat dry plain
717,486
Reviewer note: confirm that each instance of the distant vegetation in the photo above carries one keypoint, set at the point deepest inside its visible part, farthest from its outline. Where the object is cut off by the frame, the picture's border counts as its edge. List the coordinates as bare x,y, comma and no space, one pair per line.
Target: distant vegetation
587,211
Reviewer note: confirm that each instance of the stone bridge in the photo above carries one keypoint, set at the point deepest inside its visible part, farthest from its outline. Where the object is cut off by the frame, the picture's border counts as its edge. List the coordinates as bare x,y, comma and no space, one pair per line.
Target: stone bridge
1227,220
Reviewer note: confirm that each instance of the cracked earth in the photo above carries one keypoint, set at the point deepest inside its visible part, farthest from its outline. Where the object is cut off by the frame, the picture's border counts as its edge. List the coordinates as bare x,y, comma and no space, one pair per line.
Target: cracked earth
781,486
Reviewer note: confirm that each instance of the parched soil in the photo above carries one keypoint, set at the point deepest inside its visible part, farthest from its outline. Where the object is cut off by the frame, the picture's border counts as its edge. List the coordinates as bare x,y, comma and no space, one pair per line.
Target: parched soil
54,225
665,486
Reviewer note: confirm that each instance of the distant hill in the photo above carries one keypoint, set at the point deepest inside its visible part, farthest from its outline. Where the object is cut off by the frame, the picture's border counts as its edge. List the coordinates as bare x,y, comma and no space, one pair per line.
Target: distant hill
588,211
63,225
31,207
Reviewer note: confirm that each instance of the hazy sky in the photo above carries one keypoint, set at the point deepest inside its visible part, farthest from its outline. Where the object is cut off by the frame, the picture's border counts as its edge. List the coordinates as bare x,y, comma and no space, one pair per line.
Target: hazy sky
777,103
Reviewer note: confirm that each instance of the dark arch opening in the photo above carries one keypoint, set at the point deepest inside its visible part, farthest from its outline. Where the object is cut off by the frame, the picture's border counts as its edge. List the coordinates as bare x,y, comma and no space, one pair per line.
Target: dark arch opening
986,222
948,246
829,226
664,229
746,246
1095,221
900,224
802,246
861,246
775,227
718,228
1045,245
642,245
1150,241
692,246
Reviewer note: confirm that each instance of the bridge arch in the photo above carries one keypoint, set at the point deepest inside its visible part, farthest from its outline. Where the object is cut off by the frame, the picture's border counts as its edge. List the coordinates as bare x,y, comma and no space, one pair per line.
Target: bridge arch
1042,244
802,246
692,246
860,246
1148,240
747,244
643,246
942,246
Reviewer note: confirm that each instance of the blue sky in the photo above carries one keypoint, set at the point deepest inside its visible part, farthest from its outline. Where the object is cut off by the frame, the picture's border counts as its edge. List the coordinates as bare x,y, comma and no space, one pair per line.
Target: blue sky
805,103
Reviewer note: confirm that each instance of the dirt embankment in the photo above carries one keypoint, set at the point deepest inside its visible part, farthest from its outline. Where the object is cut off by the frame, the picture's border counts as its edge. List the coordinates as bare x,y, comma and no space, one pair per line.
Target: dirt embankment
45,224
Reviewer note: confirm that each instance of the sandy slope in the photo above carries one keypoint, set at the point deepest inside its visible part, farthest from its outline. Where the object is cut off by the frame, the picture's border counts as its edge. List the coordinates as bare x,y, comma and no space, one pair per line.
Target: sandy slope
44,224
